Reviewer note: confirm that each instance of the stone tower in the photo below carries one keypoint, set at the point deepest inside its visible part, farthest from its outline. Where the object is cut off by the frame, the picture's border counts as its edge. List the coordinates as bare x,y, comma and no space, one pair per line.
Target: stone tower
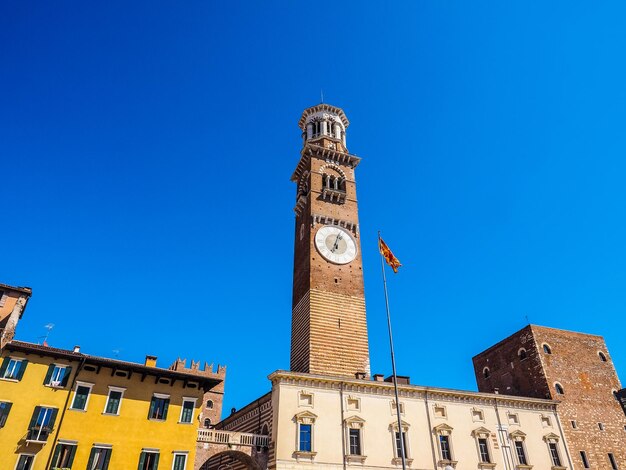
329,329
574,368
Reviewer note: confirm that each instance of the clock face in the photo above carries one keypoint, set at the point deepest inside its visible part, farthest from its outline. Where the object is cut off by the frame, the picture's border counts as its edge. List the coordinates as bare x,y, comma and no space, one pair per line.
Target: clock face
335,244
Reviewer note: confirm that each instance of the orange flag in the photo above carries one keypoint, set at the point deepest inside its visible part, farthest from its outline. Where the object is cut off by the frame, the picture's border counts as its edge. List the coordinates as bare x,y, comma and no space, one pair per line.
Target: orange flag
388,255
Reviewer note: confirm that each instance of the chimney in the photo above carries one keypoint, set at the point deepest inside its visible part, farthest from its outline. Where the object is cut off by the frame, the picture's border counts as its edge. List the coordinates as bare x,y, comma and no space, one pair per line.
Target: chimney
150,361
76,349
379,377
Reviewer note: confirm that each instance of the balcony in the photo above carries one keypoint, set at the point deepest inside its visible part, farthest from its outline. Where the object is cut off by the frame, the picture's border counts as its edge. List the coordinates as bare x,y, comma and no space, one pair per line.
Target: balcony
334,195
38,435
215,436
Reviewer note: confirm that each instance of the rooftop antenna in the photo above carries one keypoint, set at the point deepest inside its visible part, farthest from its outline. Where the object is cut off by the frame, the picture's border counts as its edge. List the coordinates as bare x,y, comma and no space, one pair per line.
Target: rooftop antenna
48,327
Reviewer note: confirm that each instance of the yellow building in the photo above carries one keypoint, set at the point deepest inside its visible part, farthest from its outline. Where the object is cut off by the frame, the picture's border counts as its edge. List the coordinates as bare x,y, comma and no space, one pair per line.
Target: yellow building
63,409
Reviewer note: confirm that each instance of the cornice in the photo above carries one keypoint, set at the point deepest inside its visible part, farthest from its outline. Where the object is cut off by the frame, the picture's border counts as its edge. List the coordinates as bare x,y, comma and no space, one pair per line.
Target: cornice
311,150
323,107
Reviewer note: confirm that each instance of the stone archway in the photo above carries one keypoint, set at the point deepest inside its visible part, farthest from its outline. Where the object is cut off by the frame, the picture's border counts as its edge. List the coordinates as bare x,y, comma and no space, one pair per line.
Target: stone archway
231,460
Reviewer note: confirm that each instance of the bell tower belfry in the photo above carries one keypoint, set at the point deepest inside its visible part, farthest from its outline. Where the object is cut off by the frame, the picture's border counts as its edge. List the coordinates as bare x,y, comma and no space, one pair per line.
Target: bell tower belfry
328,326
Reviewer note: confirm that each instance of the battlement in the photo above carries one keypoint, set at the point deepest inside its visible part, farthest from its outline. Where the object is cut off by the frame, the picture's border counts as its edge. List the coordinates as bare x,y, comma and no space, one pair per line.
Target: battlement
180,365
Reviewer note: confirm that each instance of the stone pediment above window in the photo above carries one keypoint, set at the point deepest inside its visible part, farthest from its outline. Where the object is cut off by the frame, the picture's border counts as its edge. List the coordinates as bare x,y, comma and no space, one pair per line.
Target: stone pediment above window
405,425
355,422
306,417
443,429
551,437
481,432
518,435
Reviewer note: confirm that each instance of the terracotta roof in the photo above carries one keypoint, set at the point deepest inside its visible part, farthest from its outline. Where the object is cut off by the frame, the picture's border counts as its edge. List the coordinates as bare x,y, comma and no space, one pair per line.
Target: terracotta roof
24,290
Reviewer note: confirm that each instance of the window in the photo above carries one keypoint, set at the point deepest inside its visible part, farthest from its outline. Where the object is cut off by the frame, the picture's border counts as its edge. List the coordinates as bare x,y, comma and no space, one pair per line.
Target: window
81,396
547,349
148,460
401,444
99,458
41,424
601,426
186,412
483,449
63,456
305,438
355,441
25,462
574,424
207,423
159,406
486,373
521,453
559,389
522,354
114,401
602,356
180,462
5,407
443,433
57,375
209,403
583,457
554,454
13,368
613,462
394,406
444,443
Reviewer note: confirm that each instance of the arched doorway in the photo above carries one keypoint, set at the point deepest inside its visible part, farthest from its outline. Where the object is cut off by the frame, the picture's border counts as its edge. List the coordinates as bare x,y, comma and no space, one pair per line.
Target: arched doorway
231,460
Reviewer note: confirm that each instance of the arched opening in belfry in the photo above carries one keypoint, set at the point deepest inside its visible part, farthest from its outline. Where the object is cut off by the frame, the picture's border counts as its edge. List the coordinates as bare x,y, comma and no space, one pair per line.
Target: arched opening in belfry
231,460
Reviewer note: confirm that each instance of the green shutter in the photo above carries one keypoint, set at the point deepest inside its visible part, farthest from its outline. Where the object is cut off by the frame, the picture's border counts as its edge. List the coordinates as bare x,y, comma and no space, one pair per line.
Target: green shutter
55,457
4,413
20,374
66,377
107,457
142,460
92,454
53,417
33,420
70,461
156,460
3,367
46,381
151,412
165,407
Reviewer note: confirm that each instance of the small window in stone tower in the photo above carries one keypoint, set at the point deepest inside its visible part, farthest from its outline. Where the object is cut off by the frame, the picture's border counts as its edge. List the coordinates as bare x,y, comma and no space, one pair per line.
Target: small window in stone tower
209,404
602,356
613,462
486,373
547,349
522,354
559,389
601,426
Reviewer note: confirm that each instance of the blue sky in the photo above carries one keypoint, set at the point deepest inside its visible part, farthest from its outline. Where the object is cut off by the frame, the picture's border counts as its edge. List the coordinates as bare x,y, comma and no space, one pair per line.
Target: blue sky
146,150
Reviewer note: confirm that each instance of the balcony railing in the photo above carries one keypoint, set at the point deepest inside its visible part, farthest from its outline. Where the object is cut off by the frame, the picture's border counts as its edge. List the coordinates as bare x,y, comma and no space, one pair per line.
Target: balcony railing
229,437
38,434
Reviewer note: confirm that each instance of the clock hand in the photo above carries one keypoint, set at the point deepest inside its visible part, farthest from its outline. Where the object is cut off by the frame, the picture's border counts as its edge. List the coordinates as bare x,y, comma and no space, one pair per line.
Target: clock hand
336,245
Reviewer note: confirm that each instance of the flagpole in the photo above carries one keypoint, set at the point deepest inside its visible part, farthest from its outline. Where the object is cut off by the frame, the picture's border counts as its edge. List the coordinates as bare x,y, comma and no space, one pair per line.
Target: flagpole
393,359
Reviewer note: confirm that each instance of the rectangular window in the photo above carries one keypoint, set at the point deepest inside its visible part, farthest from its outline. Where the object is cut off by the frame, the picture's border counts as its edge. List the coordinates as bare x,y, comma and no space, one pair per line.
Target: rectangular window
148,460
57,375
63,456
13,368
554,454
158,407
355,441
583,457
180,462
113,402
5,407
81,396
521,453
305,438
444,441
186,413
613,462
25,462
574,424
99,458
398,448
41,424
601,426
483,448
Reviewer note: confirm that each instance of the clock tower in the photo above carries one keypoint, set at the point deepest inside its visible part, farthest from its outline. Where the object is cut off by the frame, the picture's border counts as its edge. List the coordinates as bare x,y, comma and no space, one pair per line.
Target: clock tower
329,328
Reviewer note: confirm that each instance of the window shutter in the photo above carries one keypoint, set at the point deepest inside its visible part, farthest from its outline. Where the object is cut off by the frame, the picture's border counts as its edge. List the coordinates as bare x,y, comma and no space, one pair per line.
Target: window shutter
55,457
107,457
53,417
91,457
5,414
33,420
70,460
66,377
156,462
151,412
20,374
46,381
165,407
142,460
3,367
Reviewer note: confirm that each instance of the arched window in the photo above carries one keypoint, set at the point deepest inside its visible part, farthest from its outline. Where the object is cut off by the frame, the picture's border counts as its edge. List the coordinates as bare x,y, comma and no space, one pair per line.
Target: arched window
316,128
602,356
207,423
546,349
209,404
522,354
559,389
486,372
330,127
265,430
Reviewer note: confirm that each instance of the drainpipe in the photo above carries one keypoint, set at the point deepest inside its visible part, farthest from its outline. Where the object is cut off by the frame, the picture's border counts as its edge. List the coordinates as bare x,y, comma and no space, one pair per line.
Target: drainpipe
343,431
430,430
503,436
67,399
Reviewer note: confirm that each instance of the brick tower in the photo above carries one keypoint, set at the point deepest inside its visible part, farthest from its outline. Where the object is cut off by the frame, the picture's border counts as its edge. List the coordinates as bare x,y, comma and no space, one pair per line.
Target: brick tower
574,368
329,329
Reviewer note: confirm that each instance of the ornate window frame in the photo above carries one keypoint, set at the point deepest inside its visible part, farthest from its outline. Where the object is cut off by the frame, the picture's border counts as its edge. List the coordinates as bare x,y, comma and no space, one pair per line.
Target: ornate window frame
519,436
393,428
484,433
305,417
444,430
552,438
355,422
